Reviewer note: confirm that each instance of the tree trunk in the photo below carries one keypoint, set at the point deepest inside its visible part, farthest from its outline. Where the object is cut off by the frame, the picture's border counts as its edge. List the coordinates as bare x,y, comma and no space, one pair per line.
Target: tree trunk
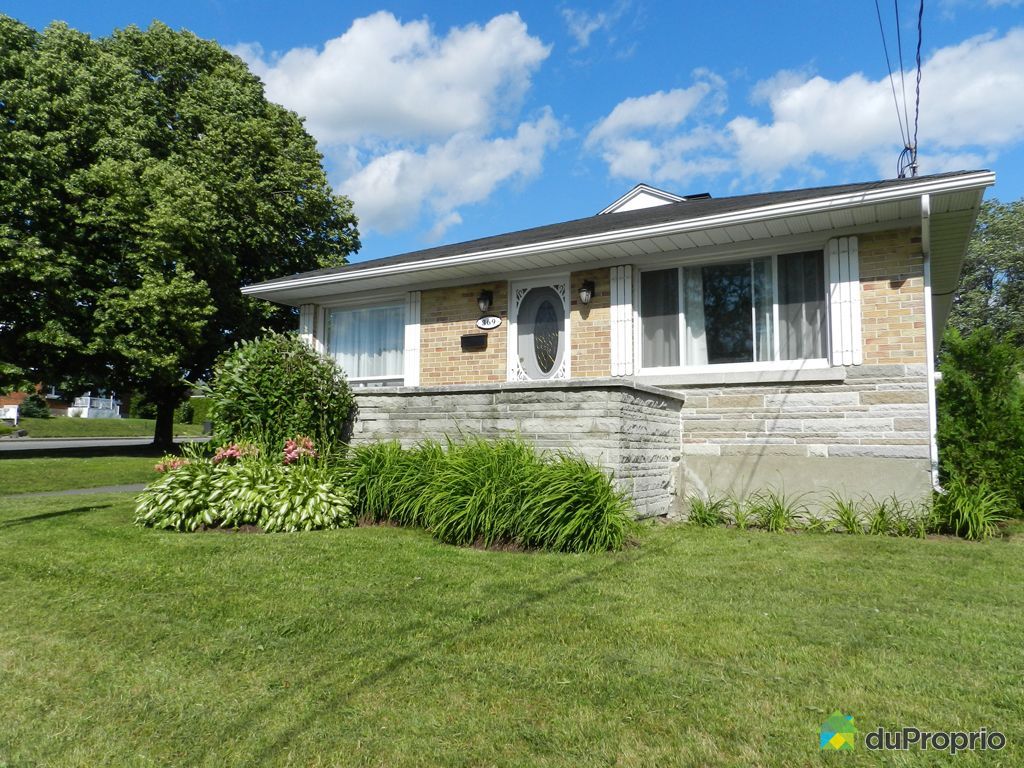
163,436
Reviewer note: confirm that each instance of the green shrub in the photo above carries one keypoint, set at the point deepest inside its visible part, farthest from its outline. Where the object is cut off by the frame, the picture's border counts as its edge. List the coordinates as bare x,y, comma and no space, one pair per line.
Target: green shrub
195,410
707,511
195,493
34,407
200,409
971,511
492,493
981,414
275,387
775,511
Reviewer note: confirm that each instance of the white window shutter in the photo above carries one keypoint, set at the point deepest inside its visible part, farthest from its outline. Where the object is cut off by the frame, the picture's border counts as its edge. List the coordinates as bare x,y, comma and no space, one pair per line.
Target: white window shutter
844,301
412,340
622,320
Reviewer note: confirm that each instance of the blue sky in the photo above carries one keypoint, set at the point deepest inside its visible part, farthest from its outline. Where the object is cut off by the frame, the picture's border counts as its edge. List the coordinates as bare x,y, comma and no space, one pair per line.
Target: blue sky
450,121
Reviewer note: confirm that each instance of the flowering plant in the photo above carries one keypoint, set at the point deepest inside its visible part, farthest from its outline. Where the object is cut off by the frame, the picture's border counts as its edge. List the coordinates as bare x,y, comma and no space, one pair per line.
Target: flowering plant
298,448
170,462
234,451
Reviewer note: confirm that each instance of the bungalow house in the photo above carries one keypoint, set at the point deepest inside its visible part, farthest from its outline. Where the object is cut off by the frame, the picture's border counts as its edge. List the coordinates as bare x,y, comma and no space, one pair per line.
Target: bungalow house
783,339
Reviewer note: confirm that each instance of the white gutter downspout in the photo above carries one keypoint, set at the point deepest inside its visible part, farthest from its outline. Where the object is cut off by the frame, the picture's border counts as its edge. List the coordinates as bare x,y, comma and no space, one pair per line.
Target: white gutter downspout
929,324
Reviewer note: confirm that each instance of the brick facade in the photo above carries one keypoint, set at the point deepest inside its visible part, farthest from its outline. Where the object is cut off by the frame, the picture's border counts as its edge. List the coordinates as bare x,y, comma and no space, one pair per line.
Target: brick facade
892,297
591,330
448,313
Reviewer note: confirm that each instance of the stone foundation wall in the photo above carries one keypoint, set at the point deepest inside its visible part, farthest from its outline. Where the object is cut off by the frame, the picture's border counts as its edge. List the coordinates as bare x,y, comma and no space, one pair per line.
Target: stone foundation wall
866,433
633,431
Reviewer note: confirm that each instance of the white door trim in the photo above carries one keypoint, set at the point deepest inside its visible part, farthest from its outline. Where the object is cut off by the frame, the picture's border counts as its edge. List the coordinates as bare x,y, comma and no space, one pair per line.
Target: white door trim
517,290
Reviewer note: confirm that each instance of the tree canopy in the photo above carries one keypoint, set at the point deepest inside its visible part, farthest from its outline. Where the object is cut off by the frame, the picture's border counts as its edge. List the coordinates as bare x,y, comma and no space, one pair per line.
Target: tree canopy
991,290
145,179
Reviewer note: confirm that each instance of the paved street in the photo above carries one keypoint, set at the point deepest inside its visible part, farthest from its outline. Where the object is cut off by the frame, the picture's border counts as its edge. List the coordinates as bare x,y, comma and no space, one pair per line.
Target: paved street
63,444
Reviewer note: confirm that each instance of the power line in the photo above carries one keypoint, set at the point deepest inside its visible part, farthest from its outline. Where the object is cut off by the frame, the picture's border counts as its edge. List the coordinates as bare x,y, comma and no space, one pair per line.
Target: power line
903,80
908,157
881,28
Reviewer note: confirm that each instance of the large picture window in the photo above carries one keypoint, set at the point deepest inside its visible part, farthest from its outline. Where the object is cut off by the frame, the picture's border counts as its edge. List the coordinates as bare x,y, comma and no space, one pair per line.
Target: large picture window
368,342
754,311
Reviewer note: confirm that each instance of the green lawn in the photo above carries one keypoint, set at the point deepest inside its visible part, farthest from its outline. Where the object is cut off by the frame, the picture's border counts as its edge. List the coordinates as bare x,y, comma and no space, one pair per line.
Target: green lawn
382,647
62,426
25,473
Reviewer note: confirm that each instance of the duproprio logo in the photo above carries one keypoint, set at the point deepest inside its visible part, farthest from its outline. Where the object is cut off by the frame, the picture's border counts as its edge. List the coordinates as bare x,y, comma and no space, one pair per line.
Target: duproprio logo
838,733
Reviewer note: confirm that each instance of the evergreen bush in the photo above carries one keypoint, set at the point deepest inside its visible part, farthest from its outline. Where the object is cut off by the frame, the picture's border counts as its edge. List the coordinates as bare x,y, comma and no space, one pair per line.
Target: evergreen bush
981,414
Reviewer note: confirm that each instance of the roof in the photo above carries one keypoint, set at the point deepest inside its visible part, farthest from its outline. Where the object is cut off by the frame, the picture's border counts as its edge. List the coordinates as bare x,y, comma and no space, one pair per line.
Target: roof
686,210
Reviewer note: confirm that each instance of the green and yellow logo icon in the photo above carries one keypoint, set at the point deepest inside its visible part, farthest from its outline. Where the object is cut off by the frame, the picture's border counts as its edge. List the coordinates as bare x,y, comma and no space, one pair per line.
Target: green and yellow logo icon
838,732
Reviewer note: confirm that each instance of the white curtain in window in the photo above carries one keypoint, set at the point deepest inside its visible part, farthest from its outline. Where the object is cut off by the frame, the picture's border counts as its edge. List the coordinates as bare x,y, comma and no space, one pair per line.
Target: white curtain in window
764,306
369,342
696,352
659,318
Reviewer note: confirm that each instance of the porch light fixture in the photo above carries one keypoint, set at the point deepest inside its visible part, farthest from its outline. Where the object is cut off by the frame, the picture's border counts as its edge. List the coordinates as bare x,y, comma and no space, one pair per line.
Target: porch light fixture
586,292
484,300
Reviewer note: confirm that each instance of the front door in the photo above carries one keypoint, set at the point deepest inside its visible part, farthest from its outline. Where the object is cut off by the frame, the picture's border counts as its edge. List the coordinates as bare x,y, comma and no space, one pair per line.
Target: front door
540,330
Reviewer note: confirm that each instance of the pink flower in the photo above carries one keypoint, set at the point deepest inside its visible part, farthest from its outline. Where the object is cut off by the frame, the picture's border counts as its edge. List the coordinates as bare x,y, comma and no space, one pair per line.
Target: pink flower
298,448
233,451
169,463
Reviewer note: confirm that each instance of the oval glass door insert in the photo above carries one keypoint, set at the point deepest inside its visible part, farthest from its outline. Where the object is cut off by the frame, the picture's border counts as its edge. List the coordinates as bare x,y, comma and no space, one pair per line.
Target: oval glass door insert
540,324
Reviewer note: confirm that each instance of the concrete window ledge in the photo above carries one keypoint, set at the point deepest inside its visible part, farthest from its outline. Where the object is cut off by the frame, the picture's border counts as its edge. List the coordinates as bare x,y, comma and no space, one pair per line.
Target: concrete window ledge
712,378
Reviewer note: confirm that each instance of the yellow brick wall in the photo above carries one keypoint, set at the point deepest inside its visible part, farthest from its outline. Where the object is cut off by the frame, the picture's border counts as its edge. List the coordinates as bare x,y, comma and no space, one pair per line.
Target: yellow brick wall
590,326
445,315
892,297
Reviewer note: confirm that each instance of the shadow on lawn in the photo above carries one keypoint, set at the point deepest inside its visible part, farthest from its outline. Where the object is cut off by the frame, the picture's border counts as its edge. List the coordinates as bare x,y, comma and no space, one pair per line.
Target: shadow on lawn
86,452
50,515
322,674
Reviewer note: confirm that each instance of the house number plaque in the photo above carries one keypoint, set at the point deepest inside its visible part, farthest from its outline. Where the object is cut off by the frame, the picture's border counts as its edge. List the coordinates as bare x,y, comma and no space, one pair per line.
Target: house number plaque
488,322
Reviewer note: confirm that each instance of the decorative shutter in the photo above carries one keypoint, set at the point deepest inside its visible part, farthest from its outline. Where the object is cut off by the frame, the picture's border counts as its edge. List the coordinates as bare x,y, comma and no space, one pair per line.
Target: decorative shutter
844,301
411,357
622,320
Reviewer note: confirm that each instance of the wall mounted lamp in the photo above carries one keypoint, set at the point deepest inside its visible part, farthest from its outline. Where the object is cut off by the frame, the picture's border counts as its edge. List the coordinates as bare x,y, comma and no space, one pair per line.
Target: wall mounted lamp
586,292
484,300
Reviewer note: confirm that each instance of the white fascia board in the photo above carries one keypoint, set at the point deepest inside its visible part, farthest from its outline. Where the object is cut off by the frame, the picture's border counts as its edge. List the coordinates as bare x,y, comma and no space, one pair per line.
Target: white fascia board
768,212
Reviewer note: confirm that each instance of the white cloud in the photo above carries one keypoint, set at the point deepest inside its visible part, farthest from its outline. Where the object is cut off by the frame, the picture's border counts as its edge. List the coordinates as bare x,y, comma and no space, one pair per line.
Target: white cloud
662,109
413,120
972,104
391,190
390,80
582,25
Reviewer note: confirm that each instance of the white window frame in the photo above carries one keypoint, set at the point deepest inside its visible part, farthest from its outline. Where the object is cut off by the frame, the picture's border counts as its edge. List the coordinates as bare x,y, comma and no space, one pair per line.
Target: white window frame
378,301
767,365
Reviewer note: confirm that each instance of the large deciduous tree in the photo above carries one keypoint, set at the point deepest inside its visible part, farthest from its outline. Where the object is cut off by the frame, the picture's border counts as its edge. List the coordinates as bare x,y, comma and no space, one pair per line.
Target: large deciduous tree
991,290
145,179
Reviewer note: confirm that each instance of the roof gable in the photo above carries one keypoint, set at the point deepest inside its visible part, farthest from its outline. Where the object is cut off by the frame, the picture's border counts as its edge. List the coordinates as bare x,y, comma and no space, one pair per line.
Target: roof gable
642,196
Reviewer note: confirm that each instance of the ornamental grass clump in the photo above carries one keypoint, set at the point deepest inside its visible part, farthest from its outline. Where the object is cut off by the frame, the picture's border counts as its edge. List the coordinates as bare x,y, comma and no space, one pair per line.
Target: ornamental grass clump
972,511
492,494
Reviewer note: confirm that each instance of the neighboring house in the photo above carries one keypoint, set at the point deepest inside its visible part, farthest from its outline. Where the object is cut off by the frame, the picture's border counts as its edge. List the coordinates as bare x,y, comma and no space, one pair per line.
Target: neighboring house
783,339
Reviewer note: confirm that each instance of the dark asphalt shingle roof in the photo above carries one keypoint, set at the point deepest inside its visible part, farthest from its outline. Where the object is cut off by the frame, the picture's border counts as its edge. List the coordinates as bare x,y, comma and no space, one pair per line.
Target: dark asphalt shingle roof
609,222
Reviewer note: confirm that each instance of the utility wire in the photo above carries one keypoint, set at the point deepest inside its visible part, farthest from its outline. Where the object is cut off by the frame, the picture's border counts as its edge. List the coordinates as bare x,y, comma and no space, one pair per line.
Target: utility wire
904,134
903,79
908,157
917,97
